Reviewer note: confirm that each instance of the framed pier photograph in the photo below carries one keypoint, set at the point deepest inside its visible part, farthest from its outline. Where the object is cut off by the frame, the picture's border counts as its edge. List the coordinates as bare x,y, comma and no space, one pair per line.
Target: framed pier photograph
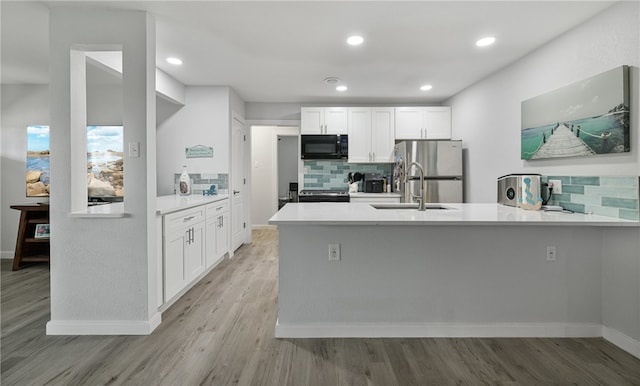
584,118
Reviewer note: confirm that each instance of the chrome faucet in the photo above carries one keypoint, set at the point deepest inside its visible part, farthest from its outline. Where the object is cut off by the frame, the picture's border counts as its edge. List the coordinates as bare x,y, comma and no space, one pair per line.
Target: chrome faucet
419,198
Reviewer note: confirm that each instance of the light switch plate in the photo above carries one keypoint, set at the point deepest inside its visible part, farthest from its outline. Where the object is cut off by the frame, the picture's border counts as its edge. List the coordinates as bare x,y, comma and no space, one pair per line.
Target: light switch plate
134,149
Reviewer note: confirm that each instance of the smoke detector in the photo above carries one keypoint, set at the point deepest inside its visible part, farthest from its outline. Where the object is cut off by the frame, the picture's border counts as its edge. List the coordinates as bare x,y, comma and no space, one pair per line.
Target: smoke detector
331,80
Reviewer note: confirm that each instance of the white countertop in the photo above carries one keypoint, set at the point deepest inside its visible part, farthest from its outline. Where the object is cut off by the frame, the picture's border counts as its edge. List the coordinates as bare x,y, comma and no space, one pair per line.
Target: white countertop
173,202
164,205
328,213
363,194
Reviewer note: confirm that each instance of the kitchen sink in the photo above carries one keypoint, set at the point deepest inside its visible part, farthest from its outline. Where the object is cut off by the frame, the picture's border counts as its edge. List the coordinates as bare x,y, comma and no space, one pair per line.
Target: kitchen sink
413,206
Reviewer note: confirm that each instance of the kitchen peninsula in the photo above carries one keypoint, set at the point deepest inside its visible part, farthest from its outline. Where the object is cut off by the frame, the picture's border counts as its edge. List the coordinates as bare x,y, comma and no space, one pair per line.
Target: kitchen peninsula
466,270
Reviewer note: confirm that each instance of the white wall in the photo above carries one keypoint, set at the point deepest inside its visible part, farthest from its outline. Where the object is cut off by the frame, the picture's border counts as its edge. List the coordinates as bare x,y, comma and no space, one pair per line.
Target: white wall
264,191
272,111
204,120
486,116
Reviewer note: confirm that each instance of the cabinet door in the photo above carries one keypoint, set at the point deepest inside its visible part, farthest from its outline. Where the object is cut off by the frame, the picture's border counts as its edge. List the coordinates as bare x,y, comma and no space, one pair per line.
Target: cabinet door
359,134
211,255
311,120
409,122
175,277
336,120
222,235
438,122
195,251
382,134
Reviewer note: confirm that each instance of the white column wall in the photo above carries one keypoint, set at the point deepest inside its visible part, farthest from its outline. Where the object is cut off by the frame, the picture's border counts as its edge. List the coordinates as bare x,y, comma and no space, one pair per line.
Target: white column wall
103,271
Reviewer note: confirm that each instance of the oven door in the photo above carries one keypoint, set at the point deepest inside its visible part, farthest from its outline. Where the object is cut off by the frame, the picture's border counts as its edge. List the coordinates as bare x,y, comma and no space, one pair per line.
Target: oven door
322,147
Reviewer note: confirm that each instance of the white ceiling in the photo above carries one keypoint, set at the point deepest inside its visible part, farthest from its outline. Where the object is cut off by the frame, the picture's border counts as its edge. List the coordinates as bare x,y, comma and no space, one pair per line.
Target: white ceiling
280,51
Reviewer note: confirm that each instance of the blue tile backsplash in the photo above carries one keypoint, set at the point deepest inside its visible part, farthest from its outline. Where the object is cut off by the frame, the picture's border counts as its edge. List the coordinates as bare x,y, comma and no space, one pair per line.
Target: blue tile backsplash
333,174
611,196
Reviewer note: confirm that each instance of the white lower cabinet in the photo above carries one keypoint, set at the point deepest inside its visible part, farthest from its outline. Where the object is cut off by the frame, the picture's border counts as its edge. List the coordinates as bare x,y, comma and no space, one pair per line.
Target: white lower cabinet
183,249
217,229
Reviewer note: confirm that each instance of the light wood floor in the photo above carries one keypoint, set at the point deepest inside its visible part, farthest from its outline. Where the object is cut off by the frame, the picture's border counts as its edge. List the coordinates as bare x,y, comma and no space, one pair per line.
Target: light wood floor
221,333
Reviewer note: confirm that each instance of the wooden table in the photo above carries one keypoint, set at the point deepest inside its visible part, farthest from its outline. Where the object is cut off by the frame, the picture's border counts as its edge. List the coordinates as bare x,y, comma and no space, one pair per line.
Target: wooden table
29,248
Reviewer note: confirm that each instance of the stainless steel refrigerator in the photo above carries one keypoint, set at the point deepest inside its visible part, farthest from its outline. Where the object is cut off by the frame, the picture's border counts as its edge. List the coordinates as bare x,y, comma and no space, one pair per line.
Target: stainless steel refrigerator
442,164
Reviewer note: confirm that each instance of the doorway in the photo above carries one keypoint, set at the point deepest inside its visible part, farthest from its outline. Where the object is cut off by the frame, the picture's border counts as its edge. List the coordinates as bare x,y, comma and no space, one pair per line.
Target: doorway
287,155
268,181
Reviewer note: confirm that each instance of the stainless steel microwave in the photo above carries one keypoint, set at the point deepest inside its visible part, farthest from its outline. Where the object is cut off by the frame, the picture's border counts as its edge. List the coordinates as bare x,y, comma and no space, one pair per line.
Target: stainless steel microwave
325,146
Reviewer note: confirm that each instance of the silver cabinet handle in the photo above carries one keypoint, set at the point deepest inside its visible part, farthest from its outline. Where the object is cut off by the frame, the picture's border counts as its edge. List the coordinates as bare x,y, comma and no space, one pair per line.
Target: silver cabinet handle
374,156
236,192
188,218
219,208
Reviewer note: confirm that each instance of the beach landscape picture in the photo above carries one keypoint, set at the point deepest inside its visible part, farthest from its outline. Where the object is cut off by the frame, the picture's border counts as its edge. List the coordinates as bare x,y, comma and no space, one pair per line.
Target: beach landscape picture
586,118
105,165
38,169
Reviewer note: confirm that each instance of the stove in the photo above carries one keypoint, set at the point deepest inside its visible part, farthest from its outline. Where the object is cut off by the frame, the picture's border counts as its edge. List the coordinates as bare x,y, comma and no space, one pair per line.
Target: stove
323,196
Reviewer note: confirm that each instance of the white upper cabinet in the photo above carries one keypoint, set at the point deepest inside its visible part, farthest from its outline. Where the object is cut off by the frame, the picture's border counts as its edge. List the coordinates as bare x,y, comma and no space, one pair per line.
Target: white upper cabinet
359,134
371,134
433,122
438,122
323,120
383,134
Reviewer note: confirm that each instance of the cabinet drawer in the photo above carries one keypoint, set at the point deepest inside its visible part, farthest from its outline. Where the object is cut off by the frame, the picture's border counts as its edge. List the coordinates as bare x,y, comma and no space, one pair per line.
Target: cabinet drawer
216,208
184,218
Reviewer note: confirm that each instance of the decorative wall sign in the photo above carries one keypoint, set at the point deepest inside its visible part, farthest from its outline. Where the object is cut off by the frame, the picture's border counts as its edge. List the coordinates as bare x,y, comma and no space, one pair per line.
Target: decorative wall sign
199,151
582,119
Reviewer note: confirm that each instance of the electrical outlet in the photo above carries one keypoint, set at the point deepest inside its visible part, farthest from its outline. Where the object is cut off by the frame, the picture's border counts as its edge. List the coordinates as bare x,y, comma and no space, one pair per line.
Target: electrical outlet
557,186
334,252
551,253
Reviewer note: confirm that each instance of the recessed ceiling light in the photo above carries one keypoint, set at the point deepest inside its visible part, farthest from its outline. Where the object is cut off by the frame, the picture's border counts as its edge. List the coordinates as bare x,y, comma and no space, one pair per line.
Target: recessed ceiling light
341,88
486,41
426,87
355,40
174,61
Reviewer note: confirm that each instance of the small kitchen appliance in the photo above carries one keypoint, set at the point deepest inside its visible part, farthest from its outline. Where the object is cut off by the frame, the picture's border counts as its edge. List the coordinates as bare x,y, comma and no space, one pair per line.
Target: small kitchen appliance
519,190
323,195
373,183
324,146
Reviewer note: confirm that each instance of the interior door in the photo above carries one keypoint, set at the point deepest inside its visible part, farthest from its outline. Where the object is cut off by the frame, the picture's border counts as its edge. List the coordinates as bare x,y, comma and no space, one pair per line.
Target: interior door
238,183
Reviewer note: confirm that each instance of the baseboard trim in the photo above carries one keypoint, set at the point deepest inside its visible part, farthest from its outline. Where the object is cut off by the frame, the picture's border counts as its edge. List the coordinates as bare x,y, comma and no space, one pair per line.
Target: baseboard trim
621,340
439,330
263,226
92,327
6,254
